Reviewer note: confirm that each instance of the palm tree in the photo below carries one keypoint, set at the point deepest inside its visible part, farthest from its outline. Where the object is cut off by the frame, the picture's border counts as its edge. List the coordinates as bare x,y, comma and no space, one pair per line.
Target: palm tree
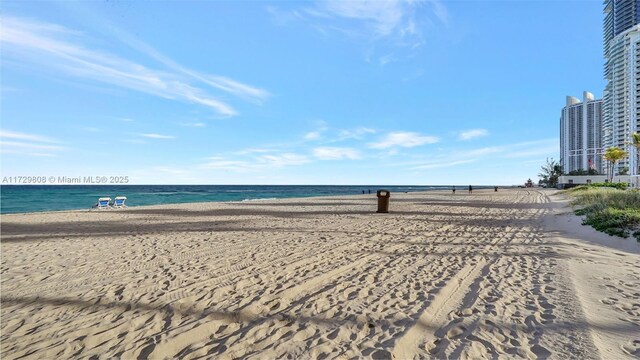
635,141
613,155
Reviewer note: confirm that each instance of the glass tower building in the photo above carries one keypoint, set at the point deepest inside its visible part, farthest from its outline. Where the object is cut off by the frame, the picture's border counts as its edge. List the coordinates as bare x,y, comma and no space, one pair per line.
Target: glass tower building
581,134
621,100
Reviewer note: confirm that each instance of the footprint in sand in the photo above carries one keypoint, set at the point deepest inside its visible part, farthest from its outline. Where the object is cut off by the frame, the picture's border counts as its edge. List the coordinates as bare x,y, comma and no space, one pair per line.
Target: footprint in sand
632,348
609,301
540,351
456,331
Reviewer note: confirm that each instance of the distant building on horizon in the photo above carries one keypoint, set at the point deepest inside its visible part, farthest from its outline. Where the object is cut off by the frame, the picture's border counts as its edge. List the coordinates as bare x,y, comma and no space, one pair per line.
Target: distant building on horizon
581,134
621,99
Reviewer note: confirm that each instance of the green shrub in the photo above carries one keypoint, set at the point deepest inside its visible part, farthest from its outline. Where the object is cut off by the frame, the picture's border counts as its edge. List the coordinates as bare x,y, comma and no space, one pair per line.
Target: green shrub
612,211
613,221
620,186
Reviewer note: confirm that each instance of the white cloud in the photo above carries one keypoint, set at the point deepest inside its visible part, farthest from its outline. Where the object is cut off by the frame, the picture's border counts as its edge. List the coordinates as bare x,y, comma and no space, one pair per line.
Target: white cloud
53,46
321,127
443,164
357,133
91,129
261,162
384,17
196,124
220,82
222,164
336,153
253,151
157,136
390,23
313,135
450,158
286,159
404,139
6,134
473,133
440,11
28,146
13,142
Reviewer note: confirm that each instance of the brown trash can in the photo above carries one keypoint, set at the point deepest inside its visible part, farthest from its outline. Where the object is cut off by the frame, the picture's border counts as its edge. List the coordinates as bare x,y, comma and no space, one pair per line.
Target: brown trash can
383,200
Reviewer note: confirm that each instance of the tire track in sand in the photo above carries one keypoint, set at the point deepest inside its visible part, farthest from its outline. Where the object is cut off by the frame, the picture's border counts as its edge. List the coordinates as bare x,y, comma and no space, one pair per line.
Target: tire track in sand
435,316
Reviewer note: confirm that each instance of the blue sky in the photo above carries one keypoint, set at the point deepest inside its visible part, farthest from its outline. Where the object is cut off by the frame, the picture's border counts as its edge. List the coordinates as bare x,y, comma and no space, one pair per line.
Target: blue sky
216,92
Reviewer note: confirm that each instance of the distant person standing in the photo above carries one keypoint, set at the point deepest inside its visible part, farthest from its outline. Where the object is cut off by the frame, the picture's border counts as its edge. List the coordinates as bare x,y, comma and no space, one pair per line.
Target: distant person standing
453,189
470,189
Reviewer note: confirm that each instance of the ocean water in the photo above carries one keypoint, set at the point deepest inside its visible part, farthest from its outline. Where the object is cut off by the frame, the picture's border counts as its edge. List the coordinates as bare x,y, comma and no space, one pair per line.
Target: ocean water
33,198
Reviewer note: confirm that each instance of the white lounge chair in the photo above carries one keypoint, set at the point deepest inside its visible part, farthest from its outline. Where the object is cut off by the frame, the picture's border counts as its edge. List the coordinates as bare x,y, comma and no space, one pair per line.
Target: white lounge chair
103,203
118,202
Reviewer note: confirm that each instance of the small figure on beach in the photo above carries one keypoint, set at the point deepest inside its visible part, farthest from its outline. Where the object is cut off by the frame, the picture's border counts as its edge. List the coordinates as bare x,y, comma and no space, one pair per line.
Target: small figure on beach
470,189
453,189
369,191
362,192
495,188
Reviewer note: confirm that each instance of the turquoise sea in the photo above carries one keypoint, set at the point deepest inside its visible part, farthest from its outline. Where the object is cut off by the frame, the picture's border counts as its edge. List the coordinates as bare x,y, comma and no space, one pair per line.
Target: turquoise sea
31,198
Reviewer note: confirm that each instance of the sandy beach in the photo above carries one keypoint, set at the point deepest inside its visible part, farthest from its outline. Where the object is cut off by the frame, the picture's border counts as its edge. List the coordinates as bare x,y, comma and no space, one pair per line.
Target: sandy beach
508,274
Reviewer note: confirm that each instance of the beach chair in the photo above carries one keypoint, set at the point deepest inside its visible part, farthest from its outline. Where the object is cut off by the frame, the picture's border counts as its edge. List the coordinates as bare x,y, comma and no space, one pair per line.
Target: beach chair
118,202
103,203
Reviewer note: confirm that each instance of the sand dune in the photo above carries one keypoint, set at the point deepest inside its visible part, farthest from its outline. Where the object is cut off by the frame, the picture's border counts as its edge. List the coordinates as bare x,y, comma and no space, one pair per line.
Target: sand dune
488,275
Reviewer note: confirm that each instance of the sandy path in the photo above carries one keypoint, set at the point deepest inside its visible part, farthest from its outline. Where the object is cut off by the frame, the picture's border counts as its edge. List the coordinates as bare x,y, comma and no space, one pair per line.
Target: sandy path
466,276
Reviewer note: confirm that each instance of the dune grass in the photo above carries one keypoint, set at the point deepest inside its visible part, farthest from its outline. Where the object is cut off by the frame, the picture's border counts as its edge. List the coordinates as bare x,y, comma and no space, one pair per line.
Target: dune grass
612,211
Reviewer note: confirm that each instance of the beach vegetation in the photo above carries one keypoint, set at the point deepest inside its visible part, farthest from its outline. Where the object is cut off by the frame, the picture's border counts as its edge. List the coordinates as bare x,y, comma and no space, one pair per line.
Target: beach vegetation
619,186
581,172
609,210
613,155
550,173
635,142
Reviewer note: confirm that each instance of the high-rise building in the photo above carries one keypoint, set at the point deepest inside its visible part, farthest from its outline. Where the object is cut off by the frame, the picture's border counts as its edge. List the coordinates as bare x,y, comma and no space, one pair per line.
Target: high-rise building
621,100
581,134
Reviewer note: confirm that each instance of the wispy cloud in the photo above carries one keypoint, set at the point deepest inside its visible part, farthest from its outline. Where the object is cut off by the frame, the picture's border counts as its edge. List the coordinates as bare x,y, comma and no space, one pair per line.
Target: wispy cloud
253,151
54,46
450,158
29,146
313,135
472,134
217,81
336,153
442,164
4,89
404,139
157,136
13,142
134,141
440,11
391,23
196,124
90,129
357,133
260,162
383,17
320,128
7,134
286,159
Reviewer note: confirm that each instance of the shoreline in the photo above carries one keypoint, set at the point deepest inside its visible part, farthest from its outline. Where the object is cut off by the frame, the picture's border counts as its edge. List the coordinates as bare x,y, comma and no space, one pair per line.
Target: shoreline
436,188
441,275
